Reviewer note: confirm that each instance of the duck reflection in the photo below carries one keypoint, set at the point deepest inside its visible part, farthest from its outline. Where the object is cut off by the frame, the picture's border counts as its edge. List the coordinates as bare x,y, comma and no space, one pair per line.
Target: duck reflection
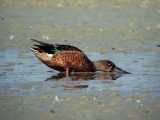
86,76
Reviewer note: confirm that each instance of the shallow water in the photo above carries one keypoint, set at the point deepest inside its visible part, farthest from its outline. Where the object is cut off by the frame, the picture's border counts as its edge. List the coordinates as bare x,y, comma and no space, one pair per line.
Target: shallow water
125,32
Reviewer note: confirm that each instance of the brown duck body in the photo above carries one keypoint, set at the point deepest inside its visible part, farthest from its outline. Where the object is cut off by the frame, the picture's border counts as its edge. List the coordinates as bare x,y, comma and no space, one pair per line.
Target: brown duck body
75,61
66,58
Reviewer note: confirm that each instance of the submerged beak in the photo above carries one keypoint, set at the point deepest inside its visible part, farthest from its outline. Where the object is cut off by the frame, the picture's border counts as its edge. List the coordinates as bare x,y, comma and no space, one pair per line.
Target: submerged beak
118,70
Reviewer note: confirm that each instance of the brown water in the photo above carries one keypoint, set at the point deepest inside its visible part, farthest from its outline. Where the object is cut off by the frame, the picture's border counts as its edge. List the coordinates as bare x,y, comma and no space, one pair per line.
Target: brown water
124,31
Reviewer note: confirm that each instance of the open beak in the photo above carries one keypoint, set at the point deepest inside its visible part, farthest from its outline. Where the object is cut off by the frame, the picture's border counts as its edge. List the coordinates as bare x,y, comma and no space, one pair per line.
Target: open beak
118,70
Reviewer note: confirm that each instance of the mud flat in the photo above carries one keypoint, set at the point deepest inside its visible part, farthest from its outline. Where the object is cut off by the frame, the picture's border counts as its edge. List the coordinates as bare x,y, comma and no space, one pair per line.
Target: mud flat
123,31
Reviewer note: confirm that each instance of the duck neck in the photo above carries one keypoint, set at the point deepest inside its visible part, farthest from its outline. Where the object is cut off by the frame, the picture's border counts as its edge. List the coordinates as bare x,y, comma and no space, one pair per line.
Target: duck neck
97,65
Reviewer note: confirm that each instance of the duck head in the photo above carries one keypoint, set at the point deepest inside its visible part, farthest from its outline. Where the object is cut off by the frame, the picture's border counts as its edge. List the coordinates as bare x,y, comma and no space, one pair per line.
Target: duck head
108,66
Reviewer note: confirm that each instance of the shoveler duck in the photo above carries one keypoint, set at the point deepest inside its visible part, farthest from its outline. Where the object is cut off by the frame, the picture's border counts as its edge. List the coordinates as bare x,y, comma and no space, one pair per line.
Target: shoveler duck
67,58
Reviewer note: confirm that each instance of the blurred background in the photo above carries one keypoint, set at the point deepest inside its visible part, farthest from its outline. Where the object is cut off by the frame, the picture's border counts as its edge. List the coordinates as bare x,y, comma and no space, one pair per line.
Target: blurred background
95,25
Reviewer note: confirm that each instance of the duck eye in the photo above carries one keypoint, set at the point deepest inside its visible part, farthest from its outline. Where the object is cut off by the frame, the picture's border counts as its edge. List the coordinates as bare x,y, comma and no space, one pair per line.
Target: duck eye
109,64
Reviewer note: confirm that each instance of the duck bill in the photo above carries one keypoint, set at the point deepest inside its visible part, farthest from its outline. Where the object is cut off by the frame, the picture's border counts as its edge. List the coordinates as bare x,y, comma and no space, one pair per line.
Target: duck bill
119,70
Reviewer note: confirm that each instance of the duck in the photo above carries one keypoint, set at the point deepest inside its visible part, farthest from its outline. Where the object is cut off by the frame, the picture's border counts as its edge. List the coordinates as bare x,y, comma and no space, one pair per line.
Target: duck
67,58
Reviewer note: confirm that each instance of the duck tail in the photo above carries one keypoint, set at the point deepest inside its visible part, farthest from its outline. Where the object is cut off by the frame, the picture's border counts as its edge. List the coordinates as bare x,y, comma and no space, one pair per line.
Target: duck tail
40,54
43,47
42,43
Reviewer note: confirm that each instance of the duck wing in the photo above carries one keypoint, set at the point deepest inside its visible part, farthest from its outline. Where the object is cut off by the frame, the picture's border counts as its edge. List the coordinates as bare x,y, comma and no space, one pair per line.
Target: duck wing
53,48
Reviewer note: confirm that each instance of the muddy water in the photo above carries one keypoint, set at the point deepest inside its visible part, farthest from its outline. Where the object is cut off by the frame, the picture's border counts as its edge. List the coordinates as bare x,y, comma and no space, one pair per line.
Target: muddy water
123,31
